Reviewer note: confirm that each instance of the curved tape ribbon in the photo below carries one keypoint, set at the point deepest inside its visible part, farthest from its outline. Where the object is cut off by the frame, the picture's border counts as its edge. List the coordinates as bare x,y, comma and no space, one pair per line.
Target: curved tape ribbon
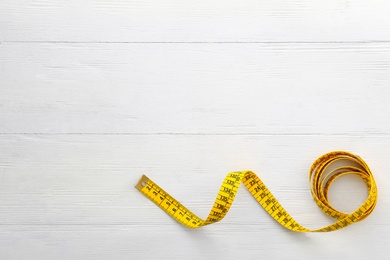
321,176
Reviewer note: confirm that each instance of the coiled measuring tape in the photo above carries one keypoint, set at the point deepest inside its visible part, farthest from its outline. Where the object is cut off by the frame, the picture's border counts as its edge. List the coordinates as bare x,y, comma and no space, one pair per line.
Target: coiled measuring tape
321,176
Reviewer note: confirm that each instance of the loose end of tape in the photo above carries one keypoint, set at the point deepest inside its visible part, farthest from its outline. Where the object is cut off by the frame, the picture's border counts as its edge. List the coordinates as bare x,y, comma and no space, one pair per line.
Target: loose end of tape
142,182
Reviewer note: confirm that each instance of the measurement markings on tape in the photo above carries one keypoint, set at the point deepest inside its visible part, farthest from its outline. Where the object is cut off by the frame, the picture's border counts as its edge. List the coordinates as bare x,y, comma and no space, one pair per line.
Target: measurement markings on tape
321,176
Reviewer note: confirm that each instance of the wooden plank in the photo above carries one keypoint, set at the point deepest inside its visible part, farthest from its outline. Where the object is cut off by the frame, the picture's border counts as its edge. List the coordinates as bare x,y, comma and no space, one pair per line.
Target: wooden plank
195,88
200,21
78,179
72,196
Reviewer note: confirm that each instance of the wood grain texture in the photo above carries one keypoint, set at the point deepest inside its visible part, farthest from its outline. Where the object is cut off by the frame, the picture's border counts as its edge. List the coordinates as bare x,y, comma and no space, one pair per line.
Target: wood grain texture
196,88
93,94
195,21
70,194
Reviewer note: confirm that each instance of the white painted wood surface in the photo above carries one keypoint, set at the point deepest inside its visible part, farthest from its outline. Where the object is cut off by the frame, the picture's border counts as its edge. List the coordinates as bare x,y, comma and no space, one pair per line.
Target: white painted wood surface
95,93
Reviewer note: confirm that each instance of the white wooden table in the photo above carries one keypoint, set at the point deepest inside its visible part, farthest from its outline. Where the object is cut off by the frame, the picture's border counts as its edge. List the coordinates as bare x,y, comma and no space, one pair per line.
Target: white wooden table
95,93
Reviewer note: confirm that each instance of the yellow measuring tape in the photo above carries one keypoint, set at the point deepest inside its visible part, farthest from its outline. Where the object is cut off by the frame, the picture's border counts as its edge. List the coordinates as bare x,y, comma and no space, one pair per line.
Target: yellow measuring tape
321,176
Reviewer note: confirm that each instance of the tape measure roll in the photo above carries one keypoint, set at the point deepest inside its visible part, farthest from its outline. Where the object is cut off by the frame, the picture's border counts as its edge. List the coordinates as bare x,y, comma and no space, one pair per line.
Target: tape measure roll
321,176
